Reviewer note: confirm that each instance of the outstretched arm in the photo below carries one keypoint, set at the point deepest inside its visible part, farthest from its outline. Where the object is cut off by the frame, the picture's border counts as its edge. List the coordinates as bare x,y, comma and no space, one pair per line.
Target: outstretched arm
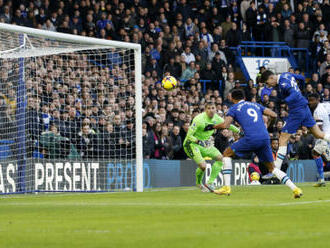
225,124
299,77
270,113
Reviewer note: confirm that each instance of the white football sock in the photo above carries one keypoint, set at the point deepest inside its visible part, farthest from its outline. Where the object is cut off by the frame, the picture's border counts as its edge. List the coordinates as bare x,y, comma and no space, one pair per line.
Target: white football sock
327,137
281,153
284,178
226,170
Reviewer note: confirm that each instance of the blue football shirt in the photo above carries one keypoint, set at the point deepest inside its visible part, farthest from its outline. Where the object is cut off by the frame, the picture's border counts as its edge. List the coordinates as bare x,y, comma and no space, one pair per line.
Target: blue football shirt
290,92
249,116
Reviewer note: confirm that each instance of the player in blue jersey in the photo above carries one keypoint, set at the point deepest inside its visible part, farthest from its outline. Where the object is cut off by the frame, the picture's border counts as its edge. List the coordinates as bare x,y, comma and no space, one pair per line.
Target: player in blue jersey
299,112
256,139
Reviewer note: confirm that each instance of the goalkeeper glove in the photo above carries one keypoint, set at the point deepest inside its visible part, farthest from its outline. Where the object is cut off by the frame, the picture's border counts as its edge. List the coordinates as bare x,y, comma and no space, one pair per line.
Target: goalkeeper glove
241,133
209,127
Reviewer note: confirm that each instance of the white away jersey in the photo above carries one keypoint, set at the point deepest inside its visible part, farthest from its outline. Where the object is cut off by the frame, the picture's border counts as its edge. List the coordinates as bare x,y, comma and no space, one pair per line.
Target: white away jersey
322,116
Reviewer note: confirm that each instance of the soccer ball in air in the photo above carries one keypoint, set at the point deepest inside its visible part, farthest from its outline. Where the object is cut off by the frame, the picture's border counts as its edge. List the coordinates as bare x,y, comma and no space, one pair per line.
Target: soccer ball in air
169,83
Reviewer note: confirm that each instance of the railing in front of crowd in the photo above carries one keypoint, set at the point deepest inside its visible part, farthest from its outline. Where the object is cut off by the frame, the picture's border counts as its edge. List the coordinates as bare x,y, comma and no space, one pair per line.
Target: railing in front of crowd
298,57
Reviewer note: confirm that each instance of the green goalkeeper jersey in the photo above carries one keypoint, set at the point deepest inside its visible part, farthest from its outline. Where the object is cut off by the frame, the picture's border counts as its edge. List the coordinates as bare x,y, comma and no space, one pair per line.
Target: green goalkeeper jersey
196,130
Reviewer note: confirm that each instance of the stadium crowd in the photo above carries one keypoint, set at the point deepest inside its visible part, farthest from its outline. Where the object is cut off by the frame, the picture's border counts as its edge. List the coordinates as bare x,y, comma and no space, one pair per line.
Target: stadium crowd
92,116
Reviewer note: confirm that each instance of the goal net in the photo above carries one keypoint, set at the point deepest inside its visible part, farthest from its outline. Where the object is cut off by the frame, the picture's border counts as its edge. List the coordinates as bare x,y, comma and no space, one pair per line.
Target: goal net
70,113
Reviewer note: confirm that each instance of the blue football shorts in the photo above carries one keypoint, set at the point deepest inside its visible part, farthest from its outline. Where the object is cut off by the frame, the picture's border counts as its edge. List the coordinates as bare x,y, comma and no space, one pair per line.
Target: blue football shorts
298,118
260,147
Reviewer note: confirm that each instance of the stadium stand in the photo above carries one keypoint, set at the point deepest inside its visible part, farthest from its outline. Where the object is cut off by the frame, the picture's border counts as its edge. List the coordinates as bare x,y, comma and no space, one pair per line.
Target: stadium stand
191,40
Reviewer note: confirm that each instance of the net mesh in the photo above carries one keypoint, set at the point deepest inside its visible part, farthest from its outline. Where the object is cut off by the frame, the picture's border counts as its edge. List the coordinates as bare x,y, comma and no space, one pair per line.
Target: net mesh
67,116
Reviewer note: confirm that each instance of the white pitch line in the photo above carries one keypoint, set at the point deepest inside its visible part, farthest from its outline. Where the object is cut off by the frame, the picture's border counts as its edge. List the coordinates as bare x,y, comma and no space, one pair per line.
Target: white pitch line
159,204
61,194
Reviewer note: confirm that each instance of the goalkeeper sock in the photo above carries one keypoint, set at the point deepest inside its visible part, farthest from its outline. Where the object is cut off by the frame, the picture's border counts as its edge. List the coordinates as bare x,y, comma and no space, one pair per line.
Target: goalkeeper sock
216,168
227,168
284,178
199,175
280,156
319,164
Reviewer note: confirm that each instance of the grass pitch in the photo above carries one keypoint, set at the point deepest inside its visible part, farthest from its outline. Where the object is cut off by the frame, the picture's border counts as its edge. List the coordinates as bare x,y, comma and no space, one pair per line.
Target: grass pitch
253,216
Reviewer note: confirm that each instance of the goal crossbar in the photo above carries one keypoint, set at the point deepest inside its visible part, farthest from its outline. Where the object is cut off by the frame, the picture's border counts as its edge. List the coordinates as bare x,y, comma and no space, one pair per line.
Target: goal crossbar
68,37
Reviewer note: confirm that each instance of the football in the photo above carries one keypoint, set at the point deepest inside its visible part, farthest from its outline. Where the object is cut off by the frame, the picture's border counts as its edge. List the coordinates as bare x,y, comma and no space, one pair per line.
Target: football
255,176
169,83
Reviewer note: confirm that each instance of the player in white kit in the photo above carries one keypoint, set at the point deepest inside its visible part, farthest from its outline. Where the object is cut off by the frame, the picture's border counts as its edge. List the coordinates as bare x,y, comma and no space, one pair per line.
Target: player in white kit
321,150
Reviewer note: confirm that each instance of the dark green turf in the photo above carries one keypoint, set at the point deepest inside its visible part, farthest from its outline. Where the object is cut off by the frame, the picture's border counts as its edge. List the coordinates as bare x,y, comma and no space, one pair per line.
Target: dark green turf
262,216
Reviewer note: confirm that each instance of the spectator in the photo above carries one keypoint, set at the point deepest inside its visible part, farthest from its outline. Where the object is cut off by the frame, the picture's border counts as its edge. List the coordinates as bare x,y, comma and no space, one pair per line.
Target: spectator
217,62
207,37
226,26
202,51
246,34
229,84
261,24
326,95
251,16
190,28
305,145
314,80
309,90
188,55
173,68
49,26
19,18
302,37
165,144
189,72
286,11
325,76
324,65
245,4
6,15
147,145
234,36
288,33
85,142
209,74
54,146
176,143
228,57
217,34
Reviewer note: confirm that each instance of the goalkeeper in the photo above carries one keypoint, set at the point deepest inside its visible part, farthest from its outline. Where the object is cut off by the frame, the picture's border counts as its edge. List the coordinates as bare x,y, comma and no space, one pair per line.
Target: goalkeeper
198,145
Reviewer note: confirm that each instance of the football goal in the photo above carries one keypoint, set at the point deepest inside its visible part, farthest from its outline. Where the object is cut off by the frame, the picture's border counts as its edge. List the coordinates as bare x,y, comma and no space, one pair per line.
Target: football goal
70,113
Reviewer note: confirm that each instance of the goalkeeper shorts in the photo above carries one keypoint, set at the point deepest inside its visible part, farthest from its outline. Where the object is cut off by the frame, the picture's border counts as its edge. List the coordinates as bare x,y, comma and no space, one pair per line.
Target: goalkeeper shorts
198,153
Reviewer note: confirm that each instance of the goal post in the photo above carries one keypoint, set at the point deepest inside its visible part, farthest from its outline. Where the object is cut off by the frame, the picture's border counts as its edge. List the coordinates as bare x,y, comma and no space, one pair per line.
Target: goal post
70,113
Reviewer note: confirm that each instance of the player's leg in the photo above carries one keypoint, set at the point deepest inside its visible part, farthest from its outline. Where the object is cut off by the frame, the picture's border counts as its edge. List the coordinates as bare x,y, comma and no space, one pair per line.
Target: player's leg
226,171
282,150
290,127
319,148
310,123
282,176
216,155
193,151
265,155
318,134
